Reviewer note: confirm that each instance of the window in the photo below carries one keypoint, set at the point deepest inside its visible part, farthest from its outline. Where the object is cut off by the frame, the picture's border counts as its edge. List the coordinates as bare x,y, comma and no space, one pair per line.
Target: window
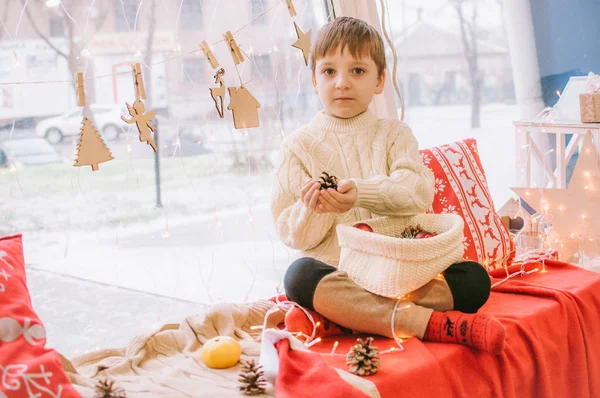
150,229
124,12
191,14
257,9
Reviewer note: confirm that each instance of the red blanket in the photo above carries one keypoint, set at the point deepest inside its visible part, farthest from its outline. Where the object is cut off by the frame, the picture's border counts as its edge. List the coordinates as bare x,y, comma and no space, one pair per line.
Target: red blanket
552,350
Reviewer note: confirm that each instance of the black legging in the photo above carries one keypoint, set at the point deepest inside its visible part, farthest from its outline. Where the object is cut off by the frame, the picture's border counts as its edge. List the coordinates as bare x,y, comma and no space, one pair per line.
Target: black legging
469,283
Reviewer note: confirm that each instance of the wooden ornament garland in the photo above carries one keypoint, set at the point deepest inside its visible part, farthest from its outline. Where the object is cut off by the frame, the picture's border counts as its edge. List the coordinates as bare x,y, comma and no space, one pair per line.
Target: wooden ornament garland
137,111
91,149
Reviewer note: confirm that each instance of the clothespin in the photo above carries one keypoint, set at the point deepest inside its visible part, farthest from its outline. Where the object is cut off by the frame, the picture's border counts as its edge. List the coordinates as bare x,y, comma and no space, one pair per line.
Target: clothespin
138,81
209,54
291,8
234,49
80,90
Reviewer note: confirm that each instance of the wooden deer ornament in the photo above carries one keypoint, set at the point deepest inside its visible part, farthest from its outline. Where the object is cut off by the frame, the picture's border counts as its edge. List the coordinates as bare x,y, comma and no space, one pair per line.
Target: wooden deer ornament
218,93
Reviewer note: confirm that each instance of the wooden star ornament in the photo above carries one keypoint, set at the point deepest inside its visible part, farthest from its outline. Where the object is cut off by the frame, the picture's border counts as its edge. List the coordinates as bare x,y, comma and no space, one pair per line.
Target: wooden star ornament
573,212
303,42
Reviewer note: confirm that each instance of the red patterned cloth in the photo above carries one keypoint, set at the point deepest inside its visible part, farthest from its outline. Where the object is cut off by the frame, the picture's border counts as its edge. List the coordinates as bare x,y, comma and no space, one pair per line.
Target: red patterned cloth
461,188
27,368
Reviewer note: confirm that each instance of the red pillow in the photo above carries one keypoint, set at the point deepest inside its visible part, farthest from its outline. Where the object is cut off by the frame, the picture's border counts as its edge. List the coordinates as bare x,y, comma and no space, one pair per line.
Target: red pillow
461,188
27,367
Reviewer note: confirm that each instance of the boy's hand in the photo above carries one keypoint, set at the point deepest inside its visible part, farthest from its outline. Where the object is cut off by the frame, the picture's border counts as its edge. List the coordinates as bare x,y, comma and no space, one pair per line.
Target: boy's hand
310,195
339,201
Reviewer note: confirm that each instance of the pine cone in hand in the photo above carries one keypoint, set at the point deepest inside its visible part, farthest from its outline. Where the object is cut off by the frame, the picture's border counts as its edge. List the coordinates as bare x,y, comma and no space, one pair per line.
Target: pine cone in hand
363,358
328,181
108,389
252,379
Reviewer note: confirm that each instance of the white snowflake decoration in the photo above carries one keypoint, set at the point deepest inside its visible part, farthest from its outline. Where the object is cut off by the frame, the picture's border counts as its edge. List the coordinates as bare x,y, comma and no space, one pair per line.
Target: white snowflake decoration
439,186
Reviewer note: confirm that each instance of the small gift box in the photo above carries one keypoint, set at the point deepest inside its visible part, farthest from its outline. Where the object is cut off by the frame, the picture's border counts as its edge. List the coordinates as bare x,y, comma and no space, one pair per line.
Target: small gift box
589,102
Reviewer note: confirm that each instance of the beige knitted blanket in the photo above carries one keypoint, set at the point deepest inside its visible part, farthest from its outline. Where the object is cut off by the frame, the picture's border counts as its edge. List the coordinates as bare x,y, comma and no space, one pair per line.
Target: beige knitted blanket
166,362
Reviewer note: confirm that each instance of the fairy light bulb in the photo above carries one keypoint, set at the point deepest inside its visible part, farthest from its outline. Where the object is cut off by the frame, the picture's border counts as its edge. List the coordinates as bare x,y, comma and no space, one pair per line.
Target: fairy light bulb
335,346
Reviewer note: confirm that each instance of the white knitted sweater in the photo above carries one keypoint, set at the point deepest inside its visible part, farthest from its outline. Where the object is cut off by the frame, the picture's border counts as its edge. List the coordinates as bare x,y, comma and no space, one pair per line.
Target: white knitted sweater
380,155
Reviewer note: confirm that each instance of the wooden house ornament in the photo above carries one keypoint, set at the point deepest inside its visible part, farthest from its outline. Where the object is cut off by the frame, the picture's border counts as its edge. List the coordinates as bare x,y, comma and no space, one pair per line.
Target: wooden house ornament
244,107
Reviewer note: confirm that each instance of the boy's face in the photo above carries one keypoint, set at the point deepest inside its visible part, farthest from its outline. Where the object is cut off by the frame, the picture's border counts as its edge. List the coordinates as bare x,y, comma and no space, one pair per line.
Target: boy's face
346,85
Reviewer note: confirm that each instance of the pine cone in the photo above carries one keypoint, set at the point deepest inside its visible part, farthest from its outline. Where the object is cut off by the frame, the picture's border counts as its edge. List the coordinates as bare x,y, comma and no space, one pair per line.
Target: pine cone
411,232
328,181
108,389
363,358
252,379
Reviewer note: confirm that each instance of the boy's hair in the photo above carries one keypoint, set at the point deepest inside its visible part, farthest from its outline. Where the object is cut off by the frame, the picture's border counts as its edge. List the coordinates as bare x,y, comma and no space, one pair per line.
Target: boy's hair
360,38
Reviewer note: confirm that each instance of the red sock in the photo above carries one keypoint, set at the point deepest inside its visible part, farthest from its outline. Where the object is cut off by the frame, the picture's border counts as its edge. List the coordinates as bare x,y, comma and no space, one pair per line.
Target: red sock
297,321
480,331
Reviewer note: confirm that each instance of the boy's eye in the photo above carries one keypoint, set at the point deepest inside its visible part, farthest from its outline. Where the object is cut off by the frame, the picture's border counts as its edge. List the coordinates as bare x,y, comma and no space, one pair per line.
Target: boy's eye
328,71
358,71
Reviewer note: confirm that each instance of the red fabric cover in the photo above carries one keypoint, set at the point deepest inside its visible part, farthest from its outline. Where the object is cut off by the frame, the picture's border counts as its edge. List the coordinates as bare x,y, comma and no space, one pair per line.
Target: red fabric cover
461,188
553,341
304,374
27,367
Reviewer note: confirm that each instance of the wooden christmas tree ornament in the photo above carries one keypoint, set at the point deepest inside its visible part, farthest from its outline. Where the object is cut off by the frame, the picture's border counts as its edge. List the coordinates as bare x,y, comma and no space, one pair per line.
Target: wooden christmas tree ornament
218,93
244,107
139,116
234,49
91,149
209,54
291,8
303,42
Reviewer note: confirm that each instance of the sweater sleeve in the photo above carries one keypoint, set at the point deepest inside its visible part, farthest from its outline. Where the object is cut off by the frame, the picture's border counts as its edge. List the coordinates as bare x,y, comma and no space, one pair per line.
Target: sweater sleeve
408,189
297,226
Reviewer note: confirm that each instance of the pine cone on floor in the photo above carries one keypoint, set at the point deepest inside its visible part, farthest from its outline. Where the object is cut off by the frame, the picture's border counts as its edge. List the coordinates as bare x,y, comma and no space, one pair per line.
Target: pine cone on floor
363,358
252,379
108,389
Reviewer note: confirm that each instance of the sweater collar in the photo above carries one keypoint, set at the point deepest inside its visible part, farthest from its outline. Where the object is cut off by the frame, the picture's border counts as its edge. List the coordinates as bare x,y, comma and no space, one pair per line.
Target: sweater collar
363,121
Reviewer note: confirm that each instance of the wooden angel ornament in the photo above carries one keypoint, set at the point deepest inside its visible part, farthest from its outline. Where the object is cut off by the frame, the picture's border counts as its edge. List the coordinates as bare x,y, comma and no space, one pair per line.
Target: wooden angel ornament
218,93
91,149
139,116
143,122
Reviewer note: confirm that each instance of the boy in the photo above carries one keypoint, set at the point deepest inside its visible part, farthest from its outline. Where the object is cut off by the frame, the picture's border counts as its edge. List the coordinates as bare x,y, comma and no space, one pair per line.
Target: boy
381,173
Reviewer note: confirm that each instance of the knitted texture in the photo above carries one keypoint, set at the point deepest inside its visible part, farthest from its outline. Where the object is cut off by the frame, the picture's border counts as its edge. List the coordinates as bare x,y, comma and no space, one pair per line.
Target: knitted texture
380,155
385,264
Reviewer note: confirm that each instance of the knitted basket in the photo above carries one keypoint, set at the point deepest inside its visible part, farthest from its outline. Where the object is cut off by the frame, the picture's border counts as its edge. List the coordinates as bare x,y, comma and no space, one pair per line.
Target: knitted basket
389,266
